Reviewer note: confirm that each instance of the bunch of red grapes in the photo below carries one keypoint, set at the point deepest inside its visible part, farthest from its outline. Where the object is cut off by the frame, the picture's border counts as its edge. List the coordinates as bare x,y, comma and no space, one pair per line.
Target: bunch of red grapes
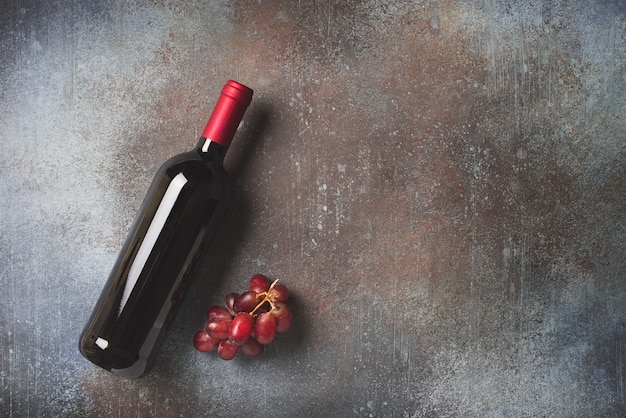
247,322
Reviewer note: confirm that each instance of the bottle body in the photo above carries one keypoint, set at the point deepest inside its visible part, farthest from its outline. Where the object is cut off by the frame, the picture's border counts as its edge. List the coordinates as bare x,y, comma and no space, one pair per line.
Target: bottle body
167,241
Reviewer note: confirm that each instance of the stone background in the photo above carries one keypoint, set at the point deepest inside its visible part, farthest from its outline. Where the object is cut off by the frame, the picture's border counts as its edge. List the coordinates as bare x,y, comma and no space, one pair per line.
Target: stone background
441,184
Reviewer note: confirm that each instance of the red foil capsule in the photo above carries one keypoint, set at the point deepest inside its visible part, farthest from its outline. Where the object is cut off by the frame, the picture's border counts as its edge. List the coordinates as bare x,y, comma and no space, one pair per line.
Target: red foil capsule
228,112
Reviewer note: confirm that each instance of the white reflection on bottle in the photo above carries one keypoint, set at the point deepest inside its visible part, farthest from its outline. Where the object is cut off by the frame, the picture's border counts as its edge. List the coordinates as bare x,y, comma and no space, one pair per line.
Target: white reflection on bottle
102,343
154,230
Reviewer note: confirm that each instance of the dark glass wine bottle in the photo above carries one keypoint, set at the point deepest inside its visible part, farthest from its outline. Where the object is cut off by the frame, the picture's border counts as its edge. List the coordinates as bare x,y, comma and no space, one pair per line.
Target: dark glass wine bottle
166,243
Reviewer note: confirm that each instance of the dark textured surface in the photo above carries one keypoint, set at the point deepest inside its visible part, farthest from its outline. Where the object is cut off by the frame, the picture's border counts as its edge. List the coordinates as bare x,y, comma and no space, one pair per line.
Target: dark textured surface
441,184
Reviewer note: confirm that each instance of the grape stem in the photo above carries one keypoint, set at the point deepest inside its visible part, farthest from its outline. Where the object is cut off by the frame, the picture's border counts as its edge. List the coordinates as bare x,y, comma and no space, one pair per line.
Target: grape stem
266,298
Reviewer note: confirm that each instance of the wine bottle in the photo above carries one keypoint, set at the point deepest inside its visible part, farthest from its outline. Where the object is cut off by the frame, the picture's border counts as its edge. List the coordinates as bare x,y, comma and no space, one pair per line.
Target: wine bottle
168,239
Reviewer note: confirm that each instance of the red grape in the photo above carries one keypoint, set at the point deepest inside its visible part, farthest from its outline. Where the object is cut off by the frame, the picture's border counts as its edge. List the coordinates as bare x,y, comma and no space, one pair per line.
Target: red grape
265,328
230,302
278,293
218,312
218,327
246,302
284,319
241,328
259,283
252,348
204,342
226,350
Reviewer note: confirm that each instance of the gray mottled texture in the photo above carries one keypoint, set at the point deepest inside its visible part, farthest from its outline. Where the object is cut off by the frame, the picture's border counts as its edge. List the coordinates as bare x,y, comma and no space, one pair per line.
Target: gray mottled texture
441,184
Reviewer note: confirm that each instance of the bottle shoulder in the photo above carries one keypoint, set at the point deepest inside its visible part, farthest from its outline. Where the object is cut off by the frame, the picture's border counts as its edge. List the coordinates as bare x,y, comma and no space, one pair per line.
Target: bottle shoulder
206,152
194,171
193,163
181,158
